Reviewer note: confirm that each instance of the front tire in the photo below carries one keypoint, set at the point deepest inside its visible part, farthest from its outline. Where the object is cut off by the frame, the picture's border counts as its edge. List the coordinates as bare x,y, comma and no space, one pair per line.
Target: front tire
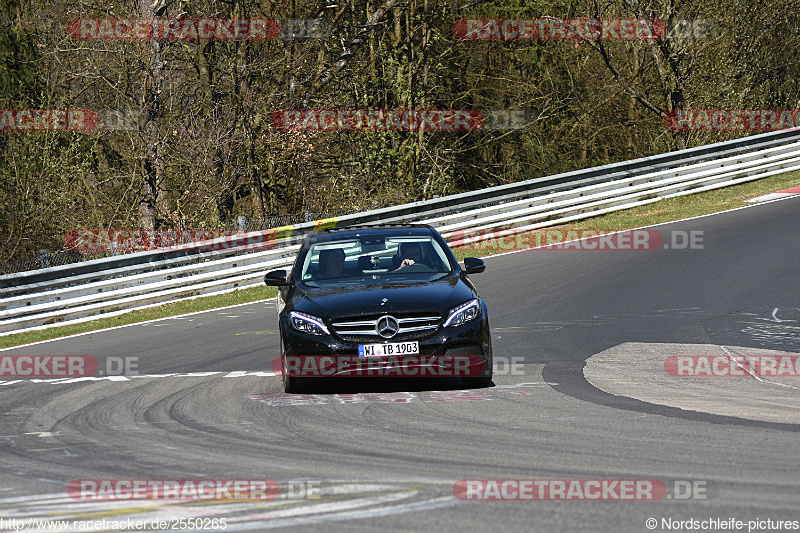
291,384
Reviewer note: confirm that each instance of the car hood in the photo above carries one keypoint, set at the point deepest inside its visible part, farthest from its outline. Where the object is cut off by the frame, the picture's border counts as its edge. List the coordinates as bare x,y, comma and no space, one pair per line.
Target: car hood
424,297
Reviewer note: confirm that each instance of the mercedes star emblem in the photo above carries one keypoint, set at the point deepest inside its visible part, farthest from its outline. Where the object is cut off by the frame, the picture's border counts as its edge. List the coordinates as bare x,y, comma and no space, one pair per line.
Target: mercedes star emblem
387,327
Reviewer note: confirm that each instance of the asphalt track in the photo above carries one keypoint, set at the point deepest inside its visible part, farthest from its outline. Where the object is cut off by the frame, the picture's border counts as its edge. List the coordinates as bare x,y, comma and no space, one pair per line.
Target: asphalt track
385,455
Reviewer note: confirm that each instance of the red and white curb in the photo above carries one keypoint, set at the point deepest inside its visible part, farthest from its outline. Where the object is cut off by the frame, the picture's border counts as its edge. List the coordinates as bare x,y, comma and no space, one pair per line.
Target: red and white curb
775,195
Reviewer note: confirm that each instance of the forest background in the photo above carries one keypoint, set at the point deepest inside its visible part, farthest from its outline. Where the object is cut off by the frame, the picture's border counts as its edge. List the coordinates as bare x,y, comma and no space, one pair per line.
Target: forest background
193,144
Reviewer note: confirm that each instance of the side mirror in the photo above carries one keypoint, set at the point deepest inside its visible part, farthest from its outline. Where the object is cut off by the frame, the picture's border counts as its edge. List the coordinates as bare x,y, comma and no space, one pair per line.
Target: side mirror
276,278
473,265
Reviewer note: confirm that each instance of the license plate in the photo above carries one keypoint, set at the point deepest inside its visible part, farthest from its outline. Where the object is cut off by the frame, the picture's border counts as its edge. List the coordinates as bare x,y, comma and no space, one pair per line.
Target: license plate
391,348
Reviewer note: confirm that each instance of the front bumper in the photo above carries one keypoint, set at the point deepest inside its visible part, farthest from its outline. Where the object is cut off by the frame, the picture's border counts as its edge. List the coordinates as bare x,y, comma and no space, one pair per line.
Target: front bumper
462,351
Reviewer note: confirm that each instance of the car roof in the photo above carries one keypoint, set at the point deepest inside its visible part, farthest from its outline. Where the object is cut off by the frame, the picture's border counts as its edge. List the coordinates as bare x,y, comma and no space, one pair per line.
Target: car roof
374,229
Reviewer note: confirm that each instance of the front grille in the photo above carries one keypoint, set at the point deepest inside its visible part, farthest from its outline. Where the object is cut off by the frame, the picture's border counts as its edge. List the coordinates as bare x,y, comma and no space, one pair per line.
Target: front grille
365,328
465,349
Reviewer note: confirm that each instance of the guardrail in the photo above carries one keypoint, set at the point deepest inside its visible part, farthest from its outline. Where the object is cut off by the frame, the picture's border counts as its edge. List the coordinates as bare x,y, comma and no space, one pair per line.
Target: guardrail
113,285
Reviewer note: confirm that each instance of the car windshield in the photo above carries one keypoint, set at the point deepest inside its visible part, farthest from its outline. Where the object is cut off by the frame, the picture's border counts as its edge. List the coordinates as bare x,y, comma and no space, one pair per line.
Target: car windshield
370,259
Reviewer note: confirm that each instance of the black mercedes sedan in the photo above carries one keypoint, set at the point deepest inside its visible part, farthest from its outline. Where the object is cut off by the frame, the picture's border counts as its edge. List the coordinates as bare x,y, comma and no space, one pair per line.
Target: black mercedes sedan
381,301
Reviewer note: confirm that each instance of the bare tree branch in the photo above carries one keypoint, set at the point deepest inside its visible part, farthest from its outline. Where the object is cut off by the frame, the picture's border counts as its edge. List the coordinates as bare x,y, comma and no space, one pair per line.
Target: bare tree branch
627,87
353,46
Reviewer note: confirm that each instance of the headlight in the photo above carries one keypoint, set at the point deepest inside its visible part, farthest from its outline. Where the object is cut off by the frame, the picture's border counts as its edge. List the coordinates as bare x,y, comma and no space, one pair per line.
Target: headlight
463,313
308,323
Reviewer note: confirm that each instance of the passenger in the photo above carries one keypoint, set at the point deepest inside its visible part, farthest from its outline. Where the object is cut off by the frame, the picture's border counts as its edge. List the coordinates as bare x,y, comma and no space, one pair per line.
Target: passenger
331,263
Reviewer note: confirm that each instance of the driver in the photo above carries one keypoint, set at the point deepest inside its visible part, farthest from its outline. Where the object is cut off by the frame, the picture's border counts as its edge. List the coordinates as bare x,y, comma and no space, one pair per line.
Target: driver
411,253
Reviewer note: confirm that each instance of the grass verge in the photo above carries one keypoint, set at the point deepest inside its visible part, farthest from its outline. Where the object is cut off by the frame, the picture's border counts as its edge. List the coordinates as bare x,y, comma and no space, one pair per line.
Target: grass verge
662,211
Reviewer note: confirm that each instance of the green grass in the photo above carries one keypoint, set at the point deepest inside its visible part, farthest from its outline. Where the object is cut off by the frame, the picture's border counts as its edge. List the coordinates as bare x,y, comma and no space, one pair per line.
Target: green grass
657,212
